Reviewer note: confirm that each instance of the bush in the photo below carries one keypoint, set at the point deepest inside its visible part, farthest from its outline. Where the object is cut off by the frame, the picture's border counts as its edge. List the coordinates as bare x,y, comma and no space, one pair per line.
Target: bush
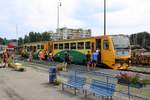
132,78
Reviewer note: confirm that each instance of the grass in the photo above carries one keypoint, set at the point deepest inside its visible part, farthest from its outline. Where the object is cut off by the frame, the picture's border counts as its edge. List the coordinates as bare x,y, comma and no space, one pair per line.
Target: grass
142,92
140,69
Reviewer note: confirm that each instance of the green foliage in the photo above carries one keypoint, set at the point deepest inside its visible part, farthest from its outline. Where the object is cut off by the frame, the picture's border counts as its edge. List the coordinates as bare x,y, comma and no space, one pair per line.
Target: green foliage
5,41
145,81
26,39
133,78
20,41
142,39
36,37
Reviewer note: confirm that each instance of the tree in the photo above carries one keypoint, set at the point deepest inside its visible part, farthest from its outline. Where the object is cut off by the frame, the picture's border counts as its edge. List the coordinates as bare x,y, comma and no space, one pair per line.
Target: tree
142,39
20,41
32,37
1,41
5,41
46,36
26,39
38,37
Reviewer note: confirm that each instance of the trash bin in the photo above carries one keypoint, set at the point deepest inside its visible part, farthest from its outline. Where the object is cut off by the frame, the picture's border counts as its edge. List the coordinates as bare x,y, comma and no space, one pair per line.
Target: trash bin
52,74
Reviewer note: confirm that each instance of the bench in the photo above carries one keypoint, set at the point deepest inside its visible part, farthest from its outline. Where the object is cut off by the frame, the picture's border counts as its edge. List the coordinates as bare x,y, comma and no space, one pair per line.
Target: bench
75,82
101,88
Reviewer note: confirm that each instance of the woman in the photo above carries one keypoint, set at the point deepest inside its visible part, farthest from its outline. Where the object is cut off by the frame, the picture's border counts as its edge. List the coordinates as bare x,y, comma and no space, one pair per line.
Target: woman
5,58
88,59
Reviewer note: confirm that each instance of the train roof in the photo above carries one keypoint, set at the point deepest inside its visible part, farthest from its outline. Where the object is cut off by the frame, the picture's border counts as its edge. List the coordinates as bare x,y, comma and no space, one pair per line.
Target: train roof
74,39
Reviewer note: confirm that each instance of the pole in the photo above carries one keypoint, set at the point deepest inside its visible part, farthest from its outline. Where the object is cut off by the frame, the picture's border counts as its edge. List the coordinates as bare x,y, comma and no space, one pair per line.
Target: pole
58,17
17,34
129,91
104,17
59,4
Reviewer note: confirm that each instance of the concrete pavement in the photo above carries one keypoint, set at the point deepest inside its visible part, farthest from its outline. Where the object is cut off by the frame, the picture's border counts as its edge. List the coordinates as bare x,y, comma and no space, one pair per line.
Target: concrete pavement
29,85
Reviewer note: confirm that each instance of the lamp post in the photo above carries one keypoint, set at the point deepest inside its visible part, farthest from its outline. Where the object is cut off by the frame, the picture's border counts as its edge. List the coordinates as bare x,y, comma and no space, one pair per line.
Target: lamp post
104,17
59,4
17,34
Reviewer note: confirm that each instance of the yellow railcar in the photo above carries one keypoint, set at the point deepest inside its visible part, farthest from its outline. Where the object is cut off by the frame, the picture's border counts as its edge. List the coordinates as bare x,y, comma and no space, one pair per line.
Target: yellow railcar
114,50
35,47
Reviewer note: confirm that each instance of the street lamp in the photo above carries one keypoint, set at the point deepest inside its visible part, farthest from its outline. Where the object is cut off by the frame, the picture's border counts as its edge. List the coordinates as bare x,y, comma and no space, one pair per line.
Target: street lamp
17,34
104,17
59,5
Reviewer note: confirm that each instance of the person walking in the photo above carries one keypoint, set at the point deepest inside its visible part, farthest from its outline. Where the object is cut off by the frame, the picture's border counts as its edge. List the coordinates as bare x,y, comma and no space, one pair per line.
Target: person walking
31,56
88,60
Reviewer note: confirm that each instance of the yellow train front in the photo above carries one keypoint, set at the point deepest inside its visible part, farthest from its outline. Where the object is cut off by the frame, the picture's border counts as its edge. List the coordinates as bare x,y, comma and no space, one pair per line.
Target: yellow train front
121,52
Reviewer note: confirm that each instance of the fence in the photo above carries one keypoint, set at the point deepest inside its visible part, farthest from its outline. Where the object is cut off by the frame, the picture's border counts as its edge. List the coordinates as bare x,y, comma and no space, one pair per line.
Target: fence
127,90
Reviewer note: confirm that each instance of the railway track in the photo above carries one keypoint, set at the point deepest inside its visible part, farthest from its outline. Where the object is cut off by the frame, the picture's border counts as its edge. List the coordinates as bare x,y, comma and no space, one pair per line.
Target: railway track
73,67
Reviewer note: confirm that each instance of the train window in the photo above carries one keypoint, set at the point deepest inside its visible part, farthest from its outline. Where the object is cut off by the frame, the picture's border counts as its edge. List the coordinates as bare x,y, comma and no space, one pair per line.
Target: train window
42,46
28,49
106,45
87,45
60,46
34,49
66,45
38,46
55,46
73,45
81,45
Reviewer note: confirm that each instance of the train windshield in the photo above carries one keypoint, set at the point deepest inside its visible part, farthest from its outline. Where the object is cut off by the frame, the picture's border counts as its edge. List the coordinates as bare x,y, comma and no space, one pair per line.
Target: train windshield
121,42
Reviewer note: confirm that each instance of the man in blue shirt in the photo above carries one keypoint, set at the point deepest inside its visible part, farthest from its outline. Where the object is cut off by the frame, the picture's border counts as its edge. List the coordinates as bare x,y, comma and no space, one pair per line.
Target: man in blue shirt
94,59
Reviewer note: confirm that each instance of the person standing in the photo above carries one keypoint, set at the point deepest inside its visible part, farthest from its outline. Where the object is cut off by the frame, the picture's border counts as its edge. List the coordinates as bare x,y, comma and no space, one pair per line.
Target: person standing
5,58
31,56
94,59
66,60
50,56
88,60
41,55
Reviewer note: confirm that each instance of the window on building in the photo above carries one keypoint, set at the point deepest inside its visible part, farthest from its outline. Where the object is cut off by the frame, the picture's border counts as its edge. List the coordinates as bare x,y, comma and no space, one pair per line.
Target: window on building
105,45
61,46
87,45
55,46
34,48
81,45
73,45
42,46
38,46
28,48
66,45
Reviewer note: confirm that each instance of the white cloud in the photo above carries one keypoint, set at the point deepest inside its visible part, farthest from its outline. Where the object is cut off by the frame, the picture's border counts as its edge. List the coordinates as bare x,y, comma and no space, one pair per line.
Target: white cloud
123,16
133,18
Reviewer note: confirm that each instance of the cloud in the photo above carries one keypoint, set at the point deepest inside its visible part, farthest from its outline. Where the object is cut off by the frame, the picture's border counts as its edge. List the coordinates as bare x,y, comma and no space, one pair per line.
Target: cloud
123,16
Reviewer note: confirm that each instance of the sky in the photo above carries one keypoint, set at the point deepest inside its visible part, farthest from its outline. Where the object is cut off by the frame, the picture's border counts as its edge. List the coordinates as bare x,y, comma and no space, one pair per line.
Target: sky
123,16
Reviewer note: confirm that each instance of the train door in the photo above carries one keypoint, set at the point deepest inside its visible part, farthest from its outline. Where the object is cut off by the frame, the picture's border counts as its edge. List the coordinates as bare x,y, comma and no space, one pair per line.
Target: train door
98,44
107,52
98,49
